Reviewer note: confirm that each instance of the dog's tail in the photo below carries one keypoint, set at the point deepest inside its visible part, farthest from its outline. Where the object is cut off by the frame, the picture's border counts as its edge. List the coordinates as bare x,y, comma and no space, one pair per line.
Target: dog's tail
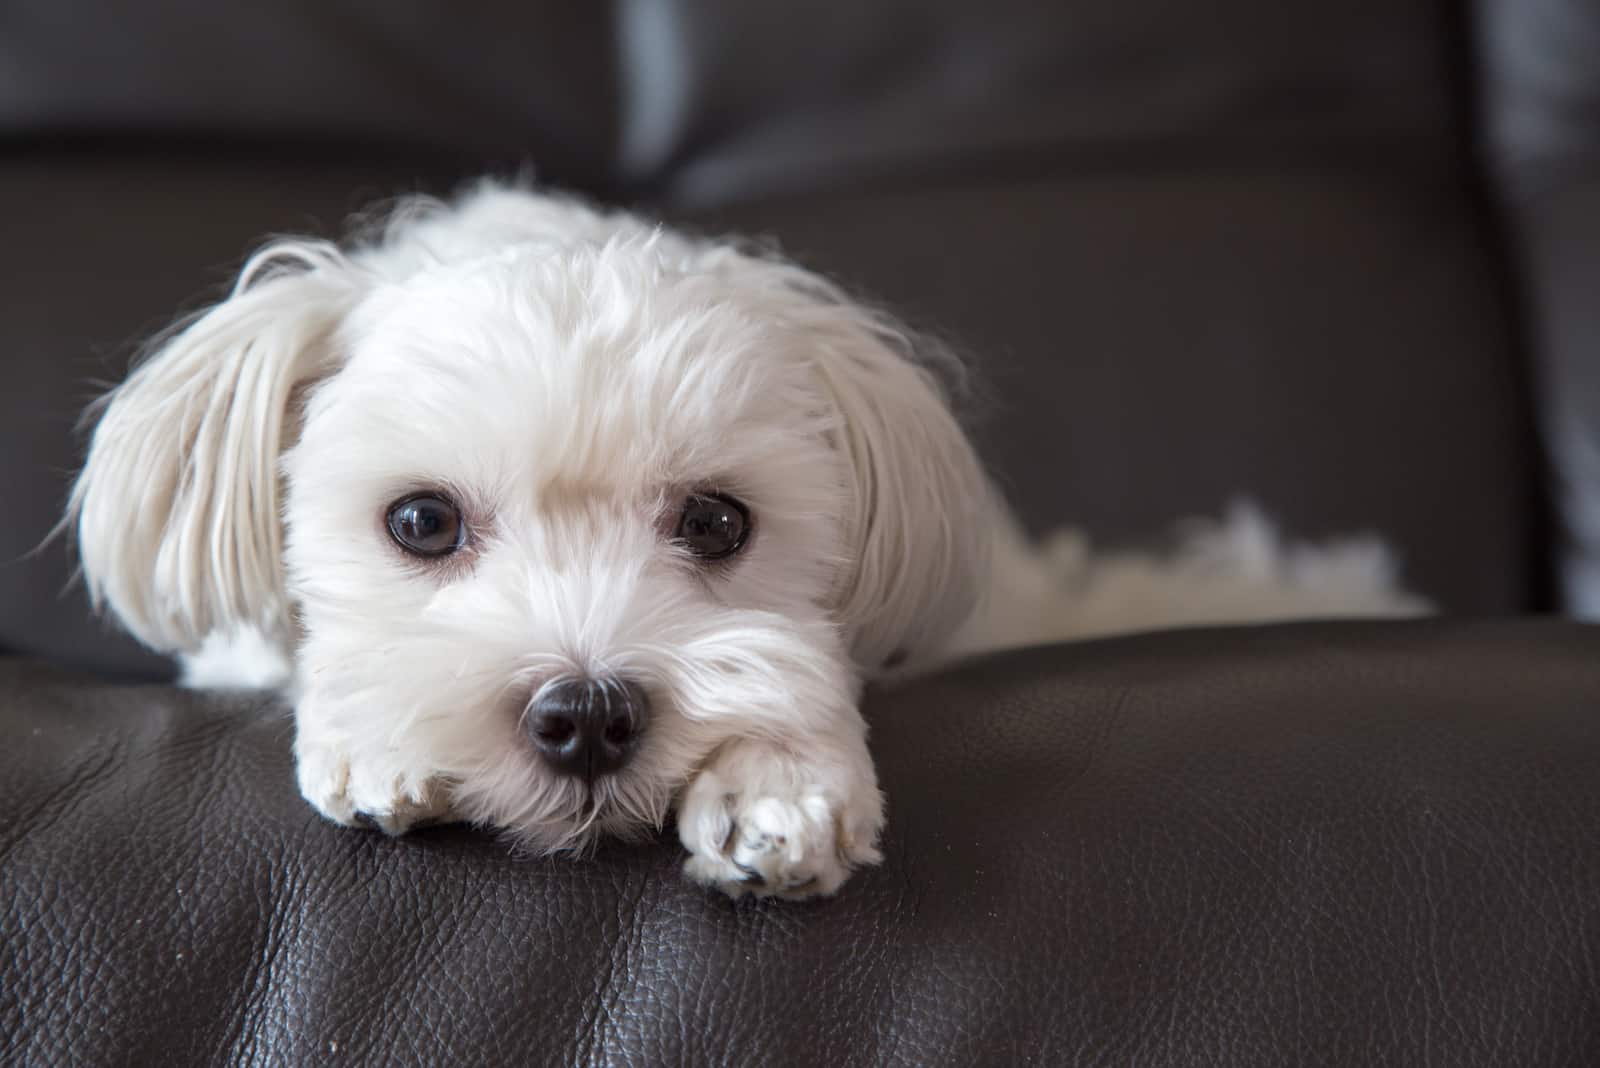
1239,569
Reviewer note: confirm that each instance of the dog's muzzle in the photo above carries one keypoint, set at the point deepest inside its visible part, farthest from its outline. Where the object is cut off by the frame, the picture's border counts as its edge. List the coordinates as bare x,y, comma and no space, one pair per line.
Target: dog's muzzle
587,727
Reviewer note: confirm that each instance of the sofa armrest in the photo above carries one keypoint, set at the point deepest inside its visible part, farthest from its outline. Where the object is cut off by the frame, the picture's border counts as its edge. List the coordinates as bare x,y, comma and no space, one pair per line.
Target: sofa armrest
1349,843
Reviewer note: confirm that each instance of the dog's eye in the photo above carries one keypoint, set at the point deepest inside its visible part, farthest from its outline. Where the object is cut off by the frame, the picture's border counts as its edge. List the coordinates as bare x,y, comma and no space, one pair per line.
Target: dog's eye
426,526
711,526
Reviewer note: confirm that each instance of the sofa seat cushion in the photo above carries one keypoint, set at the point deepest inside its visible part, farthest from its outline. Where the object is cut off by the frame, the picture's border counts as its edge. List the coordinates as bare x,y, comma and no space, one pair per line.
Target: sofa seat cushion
1368,843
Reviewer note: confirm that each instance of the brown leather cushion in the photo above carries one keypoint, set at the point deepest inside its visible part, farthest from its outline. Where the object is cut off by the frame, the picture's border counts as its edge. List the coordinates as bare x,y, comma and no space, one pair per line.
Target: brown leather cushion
1353,844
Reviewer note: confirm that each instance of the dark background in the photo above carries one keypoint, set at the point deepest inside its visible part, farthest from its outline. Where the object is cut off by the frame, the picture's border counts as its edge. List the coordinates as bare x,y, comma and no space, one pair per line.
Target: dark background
1325,255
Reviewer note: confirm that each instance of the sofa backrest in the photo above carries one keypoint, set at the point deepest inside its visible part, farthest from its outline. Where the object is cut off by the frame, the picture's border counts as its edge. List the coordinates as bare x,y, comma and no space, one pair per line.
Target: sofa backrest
1197,250
1540,91
703,100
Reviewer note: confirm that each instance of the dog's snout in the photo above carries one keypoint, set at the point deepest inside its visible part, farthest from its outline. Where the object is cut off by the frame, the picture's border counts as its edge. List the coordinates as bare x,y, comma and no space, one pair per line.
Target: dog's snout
588,727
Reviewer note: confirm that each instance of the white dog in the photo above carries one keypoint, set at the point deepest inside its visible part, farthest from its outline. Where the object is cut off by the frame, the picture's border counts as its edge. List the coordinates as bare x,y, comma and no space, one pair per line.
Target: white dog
549,519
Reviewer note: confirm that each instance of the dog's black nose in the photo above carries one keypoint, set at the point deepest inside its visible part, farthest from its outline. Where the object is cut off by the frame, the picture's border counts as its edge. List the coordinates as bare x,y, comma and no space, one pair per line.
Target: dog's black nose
587,727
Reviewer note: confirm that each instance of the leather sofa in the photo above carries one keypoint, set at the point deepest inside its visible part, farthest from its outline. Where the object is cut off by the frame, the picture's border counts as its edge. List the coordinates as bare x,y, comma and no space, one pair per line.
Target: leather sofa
1340,258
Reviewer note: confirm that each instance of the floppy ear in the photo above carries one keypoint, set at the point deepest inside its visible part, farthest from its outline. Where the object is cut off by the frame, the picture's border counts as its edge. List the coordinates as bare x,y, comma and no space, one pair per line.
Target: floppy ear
921,503
921,507
177,506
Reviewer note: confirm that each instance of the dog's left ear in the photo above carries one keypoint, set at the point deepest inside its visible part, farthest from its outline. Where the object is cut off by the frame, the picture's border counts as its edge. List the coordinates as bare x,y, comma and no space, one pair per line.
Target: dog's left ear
921,504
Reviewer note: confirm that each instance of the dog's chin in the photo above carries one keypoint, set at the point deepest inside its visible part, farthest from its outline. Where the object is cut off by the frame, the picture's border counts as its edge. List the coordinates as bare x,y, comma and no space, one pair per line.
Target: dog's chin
541,814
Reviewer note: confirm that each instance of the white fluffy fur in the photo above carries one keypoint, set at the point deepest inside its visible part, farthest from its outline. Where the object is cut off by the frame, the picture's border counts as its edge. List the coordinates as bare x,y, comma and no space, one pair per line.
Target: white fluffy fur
567,375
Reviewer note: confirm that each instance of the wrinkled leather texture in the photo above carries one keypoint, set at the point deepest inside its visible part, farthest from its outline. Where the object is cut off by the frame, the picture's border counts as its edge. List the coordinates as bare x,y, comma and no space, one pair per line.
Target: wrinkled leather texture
1333,844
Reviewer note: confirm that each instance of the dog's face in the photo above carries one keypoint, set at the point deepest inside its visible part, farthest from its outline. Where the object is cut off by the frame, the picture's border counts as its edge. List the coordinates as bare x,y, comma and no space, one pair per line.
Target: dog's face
554,521
533,473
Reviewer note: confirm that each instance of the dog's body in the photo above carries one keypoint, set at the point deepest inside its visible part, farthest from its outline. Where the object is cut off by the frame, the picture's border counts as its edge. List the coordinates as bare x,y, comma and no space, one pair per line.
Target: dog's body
549,519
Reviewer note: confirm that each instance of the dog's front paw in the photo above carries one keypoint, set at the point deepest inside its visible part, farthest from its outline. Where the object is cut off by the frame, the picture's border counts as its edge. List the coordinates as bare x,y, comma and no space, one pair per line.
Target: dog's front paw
762,820
377,788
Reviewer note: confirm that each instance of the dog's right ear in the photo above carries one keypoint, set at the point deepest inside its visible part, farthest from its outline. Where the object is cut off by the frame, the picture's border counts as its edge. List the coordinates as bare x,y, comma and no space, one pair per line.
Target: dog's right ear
177,506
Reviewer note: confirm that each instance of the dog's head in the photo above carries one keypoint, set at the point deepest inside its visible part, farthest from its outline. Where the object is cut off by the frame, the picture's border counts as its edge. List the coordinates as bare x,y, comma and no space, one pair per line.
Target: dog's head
564,512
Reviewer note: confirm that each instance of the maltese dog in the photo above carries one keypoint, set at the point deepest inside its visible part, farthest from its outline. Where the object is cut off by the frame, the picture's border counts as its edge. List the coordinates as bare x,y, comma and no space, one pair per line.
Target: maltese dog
553,520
